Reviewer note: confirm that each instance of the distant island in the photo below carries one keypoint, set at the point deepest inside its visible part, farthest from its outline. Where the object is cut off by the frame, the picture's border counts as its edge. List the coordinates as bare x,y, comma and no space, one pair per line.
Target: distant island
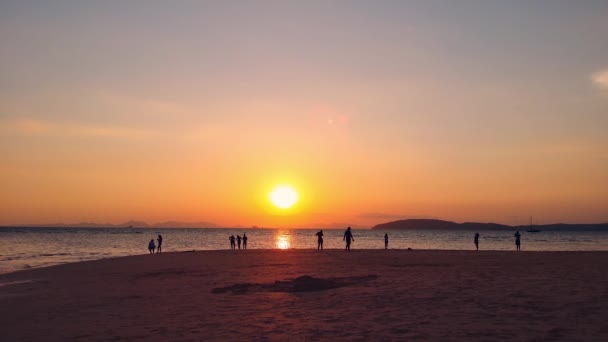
129,224
429,224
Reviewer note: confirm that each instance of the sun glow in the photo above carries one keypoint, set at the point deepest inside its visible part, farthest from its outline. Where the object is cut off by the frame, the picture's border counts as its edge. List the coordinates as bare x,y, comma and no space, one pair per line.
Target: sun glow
284,196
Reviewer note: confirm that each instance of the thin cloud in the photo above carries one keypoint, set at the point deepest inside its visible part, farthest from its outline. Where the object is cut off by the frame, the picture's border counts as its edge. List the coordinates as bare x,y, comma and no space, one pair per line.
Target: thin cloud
32,127
142,106
600,79
388,216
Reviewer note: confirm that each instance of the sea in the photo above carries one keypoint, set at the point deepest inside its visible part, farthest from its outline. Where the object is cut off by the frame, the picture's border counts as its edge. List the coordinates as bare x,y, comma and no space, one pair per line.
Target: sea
25,248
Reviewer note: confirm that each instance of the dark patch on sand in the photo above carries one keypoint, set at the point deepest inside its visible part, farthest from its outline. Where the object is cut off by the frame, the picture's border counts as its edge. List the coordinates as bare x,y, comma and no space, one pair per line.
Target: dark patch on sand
419,265
300,284
161,273
271,265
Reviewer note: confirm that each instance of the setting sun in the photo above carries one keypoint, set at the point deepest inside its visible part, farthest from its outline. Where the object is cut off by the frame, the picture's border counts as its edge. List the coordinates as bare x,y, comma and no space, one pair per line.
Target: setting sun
283,196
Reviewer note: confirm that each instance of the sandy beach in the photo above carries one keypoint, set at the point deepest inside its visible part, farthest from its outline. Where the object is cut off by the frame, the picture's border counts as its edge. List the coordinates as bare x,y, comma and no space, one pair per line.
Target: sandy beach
304,294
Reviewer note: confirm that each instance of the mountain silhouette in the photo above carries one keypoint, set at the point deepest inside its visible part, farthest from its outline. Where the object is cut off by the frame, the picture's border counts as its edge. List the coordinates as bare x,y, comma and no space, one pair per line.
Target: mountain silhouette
429,224
128,224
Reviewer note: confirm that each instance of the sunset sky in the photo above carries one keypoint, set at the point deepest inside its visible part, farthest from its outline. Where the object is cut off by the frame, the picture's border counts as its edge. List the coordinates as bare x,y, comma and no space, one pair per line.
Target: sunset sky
371,110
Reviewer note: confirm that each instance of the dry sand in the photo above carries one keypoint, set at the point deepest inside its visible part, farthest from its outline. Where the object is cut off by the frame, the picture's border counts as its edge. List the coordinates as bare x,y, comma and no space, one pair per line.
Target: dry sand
362,295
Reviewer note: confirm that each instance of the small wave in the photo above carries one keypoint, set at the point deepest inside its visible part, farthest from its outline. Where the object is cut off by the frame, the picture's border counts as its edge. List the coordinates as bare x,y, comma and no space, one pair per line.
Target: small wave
55,254
10,258
85,258
7,283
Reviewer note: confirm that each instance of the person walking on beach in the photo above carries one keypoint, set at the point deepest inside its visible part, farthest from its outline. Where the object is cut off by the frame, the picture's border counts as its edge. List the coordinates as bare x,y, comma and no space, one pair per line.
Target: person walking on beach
244,241
476,240
238,240
160,244
319,240
385,241
348,236
151,246
517,240
231,238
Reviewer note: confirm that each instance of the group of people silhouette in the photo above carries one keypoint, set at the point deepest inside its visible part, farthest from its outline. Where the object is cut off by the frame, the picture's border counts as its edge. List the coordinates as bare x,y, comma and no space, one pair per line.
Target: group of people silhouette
153,247
238,240
348,237
517,241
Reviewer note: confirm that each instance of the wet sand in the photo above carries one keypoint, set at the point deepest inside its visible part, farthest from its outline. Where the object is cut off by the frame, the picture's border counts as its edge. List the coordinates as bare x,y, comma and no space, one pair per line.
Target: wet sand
303,294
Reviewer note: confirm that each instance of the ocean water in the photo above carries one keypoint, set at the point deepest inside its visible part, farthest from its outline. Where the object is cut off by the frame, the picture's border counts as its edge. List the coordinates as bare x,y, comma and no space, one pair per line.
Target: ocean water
23,248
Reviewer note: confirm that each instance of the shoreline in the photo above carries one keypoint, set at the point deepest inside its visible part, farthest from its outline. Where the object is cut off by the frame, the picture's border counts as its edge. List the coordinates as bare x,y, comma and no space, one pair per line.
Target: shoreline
302,249
34,268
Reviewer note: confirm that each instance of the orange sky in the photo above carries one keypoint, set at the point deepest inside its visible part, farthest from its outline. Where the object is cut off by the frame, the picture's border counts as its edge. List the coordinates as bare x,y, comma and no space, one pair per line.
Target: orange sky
373,113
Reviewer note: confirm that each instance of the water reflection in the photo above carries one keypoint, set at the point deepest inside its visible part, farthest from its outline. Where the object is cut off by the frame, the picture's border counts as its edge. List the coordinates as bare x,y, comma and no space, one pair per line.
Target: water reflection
282,241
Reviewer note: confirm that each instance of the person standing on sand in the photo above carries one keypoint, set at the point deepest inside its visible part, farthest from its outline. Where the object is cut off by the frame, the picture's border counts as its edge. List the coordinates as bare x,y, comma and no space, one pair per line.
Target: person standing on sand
319,240
348,236
160,244
151,246
238,240
231,238
244,241
385,241
517,240
476,240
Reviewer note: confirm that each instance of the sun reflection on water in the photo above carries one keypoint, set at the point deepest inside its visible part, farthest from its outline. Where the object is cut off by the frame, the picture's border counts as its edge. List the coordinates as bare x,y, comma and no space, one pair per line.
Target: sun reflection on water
282,242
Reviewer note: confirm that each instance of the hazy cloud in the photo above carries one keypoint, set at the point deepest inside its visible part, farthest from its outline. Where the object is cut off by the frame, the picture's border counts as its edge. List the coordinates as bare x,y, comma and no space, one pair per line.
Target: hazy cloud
34,127
600,79
387,216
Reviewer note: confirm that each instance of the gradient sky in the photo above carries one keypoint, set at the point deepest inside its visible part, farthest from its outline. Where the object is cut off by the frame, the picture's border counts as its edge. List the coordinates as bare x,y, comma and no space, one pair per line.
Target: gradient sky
373,110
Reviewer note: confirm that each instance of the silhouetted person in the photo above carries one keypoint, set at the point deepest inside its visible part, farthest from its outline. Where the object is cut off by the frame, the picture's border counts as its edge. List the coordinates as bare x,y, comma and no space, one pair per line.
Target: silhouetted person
238,240
244,241
160,244
151,246
517,240
348,236
385,241
476,240
232,244
319,240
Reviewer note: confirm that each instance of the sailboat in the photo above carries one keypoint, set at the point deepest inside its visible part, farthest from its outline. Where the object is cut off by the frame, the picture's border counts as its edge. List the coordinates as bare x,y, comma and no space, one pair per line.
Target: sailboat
530,229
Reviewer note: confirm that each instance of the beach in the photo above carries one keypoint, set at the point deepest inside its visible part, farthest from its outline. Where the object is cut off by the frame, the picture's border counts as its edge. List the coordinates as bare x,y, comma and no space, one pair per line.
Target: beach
309,295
